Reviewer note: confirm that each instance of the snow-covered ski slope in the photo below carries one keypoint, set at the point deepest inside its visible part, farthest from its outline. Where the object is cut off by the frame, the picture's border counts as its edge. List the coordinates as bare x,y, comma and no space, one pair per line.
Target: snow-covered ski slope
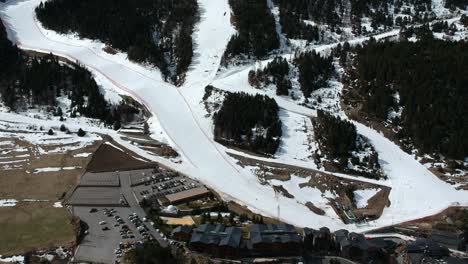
416,192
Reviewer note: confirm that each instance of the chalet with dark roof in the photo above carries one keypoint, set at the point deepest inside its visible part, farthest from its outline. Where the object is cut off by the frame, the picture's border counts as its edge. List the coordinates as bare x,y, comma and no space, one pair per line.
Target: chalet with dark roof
427,248
318,240
275,240
182,233
216,240
453,240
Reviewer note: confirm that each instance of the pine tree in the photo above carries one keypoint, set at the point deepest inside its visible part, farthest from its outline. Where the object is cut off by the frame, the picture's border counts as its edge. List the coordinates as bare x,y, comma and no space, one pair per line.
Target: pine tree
116,125
81,132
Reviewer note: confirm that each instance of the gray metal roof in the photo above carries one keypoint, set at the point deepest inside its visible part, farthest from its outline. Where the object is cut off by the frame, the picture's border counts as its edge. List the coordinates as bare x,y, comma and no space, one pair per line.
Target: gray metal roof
184,229
217,235
270,233
340,235
445,238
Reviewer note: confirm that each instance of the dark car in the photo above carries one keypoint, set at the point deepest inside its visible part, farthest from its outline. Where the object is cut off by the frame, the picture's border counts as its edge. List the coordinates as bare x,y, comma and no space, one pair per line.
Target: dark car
93,210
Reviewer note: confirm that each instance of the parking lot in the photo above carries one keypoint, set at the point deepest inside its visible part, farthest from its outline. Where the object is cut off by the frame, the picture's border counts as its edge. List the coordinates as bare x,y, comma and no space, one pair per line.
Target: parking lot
109,230
109,203
158,185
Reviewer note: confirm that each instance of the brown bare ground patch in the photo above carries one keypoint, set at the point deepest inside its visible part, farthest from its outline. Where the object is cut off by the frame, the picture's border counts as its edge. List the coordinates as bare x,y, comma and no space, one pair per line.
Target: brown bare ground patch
110,50
314,208
37,225
23,183
108,158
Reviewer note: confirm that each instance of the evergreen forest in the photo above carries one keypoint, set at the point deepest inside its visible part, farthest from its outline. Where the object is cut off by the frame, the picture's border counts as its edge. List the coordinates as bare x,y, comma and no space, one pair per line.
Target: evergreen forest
256,28
428,79
248,122
38,81
157,32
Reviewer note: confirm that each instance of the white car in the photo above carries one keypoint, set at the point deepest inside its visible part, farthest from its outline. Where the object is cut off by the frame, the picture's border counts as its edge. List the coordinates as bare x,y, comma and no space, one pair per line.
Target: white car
102,222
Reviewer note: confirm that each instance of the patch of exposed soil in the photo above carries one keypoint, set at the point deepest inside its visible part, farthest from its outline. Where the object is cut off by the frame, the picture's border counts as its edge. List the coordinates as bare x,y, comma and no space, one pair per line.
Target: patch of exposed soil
314,208
109,158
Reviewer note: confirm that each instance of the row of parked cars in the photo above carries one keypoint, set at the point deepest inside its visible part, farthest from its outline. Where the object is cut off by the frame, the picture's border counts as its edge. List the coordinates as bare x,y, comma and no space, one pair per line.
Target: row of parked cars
140,226
158,178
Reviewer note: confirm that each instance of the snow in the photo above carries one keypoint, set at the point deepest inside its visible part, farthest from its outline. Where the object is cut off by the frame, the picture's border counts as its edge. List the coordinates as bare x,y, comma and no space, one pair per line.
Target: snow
31,132
13,161
114,146
297,137
82,155
416,192
275,12
51,169
13,259
8,203
223,214
307,194
439,9
33,200
362,196
179,117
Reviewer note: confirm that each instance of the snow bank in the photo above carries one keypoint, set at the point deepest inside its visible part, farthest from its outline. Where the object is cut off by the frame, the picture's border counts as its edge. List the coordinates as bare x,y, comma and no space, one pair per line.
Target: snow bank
13,259
8,203
82,155
114,146
51,169
362,196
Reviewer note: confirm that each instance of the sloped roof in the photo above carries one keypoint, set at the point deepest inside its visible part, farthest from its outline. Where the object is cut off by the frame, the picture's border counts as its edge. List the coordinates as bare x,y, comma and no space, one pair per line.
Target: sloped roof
217,235
183,229
280,233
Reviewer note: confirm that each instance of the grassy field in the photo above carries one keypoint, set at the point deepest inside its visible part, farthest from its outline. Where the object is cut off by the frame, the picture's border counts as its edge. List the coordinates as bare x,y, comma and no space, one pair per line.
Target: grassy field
33,225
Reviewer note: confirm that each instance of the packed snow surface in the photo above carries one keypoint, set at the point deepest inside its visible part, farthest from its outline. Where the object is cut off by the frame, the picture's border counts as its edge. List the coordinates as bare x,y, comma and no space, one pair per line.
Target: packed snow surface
415,191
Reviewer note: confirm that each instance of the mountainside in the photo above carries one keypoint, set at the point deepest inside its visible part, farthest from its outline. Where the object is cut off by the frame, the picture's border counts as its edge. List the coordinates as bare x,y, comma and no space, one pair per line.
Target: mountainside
154,32
285,103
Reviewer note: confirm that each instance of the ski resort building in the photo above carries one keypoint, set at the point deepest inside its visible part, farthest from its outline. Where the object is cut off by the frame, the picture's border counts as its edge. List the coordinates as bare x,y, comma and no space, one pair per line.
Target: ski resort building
217,240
